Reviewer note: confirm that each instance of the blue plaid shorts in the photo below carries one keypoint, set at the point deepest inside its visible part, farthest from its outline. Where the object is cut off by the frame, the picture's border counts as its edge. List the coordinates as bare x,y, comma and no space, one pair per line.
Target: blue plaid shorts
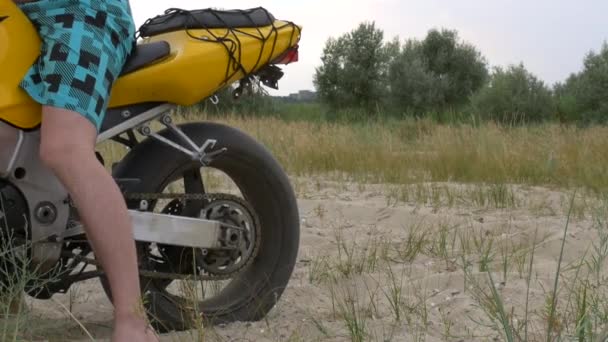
85,44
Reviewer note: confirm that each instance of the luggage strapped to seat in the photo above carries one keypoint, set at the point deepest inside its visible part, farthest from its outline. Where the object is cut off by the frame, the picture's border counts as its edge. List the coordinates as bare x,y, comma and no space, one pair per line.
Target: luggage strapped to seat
175,19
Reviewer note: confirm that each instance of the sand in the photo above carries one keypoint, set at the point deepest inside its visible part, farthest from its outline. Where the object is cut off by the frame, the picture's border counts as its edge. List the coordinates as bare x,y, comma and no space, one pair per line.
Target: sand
435,304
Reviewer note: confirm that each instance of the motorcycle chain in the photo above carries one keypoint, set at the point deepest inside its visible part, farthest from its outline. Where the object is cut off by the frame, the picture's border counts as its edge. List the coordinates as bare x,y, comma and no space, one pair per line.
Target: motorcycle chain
201,197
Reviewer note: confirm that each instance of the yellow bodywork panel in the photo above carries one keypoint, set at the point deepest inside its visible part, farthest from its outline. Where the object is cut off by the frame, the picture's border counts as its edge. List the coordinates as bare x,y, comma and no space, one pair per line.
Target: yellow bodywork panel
197,67
19,48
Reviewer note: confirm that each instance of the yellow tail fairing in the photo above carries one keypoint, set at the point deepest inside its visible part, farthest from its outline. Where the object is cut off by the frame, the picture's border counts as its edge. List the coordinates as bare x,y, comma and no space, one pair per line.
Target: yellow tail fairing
19,47
197,66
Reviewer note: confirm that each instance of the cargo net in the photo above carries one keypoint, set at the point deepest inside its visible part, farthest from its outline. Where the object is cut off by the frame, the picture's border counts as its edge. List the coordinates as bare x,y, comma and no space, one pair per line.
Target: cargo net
233,21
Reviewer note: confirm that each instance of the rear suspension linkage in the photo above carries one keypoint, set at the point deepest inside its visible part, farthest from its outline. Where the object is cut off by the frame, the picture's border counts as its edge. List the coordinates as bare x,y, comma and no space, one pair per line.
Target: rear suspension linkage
197,153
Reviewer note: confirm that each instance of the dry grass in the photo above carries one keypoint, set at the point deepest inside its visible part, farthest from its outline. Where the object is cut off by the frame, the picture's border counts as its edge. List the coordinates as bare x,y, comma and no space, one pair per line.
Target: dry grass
405,152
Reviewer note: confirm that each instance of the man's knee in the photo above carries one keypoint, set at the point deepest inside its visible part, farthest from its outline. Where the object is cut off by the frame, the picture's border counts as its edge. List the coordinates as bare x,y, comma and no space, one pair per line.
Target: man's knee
53,151
62,151
67,138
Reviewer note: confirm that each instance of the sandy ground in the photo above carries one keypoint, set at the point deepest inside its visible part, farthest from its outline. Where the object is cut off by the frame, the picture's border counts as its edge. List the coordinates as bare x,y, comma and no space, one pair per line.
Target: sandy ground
435,304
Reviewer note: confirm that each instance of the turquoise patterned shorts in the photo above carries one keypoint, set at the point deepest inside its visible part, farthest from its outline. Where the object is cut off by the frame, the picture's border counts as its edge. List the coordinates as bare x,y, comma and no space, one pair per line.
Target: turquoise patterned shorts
85,45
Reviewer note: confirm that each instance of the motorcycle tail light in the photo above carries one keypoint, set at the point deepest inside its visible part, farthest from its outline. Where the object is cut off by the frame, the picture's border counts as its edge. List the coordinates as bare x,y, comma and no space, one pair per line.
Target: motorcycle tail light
290,56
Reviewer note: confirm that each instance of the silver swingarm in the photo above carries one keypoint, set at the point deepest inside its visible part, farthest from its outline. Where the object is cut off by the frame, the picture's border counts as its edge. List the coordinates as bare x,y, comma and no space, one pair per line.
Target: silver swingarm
162,228
168,230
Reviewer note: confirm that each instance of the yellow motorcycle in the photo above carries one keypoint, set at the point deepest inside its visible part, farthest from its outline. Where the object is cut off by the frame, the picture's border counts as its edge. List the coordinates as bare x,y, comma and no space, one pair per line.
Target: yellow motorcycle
244,245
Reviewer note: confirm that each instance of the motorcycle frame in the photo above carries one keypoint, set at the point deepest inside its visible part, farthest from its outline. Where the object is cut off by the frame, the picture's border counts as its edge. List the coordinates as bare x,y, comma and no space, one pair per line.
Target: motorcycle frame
49,204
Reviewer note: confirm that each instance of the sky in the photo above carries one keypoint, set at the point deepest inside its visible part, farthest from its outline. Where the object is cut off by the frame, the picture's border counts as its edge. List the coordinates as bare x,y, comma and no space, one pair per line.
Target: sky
551,37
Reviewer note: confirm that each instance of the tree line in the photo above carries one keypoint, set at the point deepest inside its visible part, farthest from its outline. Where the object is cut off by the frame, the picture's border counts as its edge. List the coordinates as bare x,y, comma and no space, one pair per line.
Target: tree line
361,72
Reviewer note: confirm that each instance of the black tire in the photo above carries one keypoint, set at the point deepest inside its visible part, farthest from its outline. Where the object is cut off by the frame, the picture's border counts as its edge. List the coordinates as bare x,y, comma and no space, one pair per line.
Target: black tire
263,184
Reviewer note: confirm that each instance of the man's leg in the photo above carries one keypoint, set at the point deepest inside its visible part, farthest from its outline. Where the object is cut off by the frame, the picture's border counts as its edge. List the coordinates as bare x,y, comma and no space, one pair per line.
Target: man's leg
68,148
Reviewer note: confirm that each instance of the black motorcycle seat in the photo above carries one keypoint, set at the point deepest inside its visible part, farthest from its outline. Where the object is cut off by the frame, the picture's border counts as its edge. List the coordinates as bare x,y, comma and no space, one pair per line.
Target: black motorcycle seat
145,54
176,19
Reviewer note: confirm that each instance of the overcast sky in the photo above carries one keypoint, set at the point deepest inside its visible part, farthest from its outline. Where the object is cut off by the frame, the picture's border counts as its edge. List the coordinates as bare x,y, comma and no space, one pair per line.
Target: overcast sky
550,37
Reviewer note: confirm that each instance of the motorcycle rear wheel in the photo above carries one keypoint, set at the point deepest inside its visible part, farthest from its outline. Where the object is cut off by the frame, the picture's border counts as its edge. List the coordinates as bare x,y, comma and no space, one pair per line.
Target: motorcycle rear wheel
266,188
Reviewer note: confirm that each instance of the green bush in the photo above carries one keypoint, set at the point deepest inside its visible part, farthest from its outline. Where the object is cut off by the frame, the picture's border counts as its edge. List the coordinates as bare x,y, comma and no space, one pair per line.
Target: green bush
459,69
584,96
353,69
514,96
362,73
413,89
